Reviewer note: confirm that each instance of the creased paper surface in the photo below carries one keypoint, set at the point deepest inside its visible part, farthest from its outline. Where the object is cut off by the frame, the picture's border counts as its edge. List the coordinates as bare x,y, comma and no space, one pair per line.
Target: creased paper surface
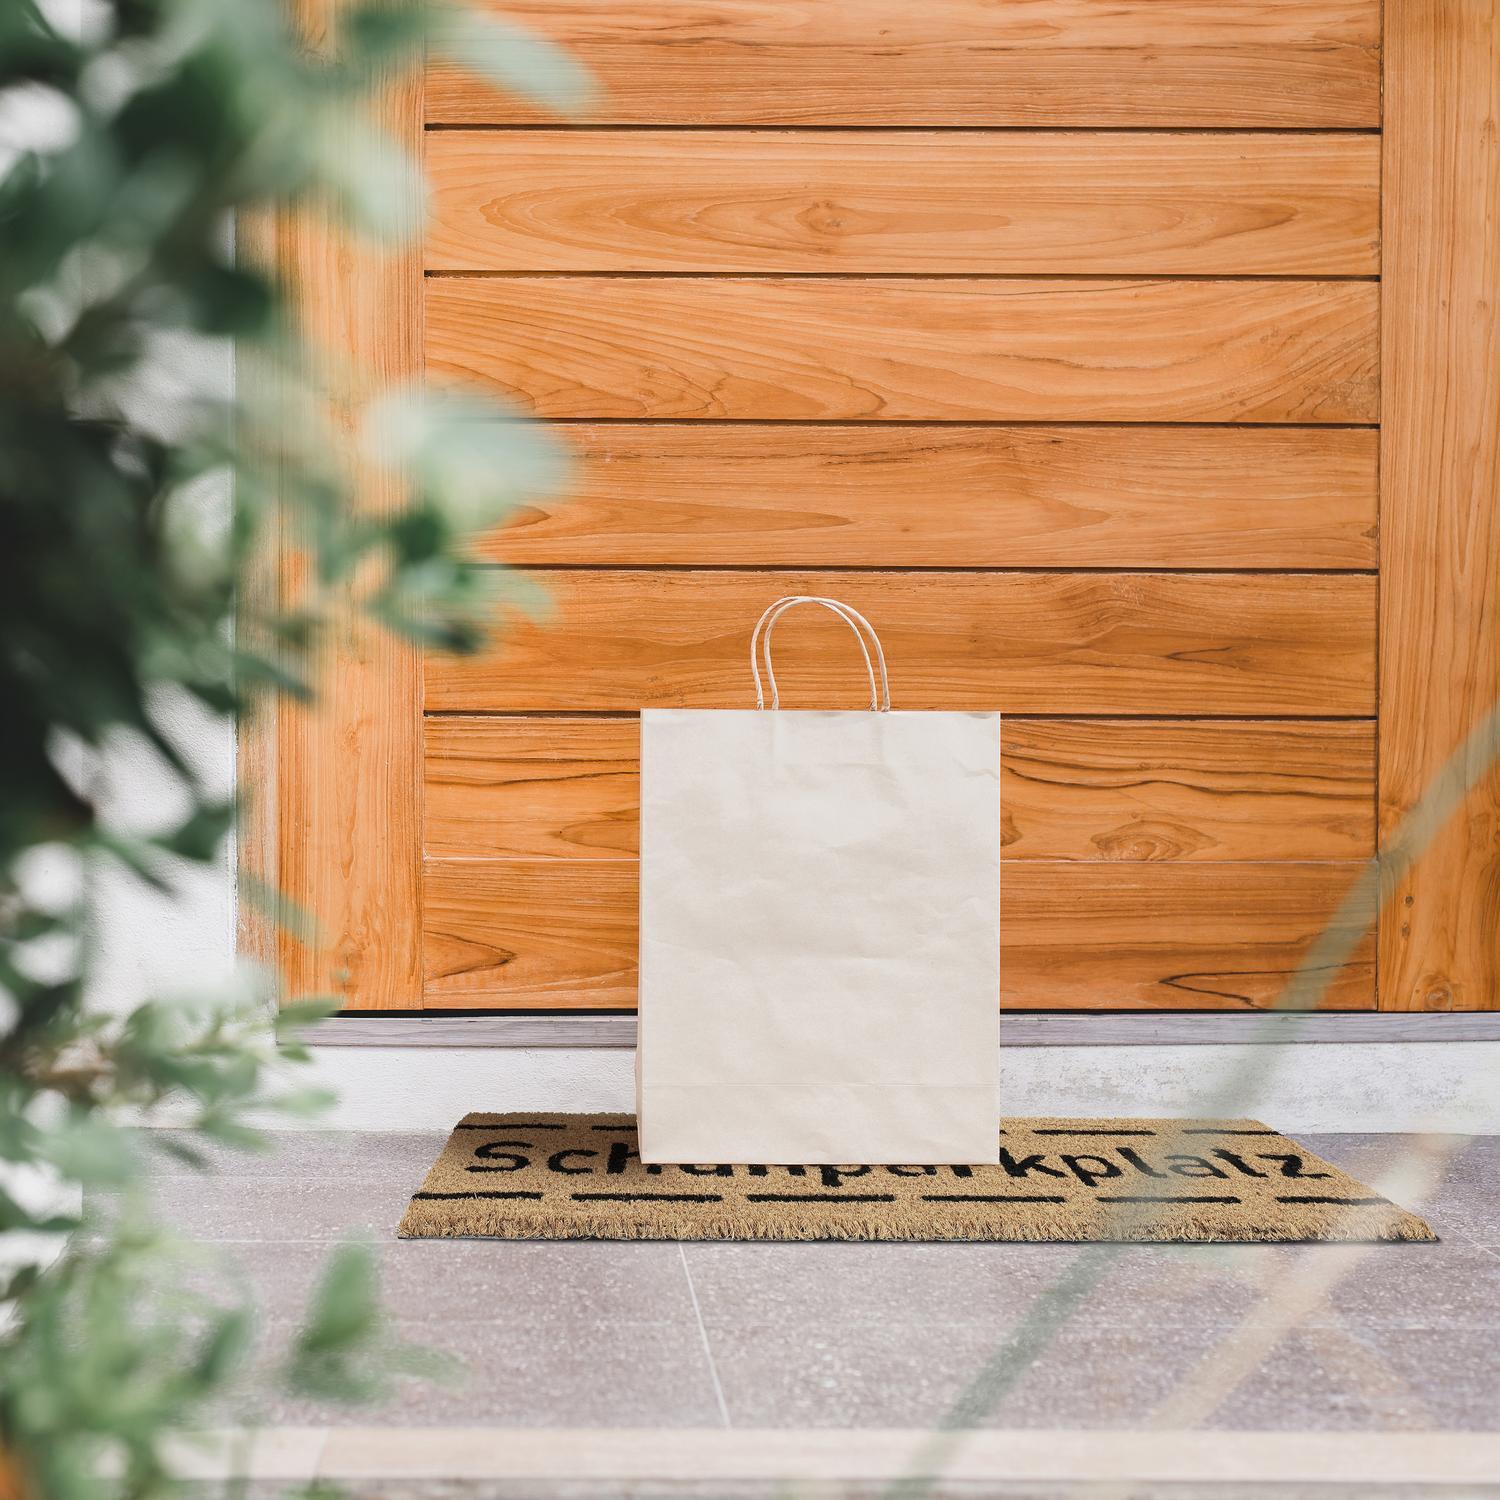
820,942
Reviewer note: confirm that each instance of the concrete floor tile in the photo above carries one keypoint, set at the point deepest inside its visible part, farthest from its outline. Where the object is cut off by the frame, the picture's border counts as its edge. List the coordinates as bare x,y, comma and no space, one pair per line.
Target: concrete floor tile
1466,1201
1462,1197
576,1283
1376,1379
900,1284
1451,1285
869,1375
345,1155
990,1286
1454,1372
517,1373
570,1283
986,1286
280,1208
1096,1375
867,1335
906,1376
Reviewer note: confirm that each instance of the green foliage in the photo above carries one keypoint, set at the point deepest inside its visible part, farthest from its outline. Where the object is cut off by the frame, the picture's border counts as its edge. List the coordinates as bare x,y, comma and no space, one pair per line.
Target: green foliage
111,1359
122,571
130,1345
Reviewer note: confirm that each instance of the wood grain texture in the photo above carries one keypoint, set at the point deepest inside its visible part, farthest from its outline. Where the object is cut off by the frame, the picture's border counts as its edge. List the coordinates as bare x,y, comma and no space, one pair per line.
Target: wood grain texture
1121,790
954,62
891,349
561,934
533,788
1130,790
899,204
1083,643
347,777
1440,459
954,496
530,933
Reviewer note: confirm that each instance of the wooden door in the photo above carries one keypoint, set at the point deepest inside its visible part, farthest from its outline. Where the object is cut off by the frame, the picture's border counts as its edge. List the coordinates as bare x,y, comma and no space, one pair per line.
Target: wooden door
1119,360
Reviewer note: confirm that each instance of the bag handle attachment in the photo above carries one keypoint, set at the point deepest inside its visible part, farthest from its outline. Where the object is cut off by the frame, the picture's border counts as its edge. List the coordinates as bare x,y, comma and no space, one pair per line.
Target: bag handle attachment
880,697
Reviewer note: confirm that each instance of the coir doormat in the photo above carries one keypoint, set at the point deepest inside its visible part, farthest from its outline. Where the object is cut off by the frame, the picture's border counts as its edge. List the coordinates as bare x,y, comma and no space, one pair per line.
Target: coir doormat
565,1177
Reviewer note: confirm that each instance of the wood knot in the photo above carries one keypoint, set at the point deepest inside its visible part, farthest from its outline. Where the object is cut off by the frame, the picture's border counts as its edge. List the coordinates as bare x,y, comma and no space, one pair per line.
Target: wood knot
823,218
1150,841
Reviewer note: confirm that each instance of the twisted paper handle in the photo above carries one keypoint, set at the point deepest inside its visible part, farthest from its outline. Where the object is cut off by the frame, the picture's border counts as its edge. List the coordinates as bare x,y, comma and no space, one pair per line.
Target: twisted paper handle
880,697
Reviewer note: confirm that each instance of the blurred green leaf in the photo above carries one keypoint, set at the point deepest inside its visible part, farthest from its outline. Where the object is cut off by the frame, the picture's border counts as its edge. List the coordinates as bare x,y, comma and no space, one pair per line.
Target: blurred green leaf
131,593
513,59
201,834
372,180
345,1303
293,1016
378,32
222,1350
87,1148
470,464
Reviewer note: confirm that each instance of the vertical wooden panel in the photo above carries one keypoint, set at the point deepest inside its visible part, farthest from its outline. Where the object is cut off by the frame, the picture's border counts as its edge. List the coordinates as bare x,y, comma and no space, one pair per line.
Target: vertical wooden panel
1440,462
347,771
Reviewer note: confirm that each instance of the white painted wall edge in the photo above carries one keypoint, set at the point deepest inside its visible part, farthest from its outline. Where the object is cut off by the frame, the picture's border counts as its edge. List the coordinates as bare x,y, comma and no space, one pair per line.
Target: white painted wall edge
1358,1086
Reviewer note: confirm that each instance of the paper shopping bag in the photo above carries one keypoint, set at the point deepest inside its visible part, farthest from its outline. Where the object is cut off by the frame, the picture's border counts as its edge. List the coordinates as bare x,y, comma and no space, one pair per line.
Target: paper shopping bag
820,929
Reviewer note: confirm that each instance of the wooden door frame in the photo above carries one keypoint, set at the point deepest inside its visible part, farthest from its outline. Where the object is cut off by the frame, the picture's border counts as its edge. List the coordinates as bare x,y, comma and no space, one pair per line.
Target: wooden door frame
1439,656
333,791
335,809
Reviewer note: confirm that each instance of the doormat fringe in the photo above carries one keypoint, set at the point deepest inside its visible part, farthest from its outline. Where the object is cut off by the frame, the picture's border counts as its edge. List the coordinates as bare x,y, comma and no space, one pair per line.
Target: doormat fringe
565,1177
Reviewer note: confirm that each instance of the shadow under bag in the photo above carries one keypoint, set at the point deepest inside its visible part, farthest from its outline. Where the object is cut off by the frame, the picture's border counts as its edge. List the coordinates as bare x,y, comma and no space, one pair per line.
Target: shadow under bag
820,928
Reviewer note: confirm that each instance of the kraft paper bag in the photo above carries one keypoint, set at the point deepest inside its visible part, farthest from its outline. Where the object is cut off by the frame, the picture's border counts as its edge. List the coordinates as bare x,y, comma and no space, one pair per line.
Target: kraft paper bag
820,929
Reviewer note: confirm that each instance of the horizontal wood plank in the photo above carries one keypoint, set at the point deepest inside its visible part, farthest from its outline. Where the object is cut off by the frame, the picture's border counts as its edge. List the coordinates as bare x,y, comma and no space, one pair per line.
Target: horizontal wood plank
1162,936
1258,645
530,933
1131,790
899,204
532,788
891,349
562,934
954,496
952,62
1120,790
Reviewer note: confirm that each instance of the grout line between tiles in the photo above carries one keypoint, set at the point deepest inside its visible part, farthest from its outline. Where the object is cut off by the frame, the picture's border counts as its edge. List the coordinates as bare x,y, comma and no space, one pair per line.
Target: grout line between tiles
708,1353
